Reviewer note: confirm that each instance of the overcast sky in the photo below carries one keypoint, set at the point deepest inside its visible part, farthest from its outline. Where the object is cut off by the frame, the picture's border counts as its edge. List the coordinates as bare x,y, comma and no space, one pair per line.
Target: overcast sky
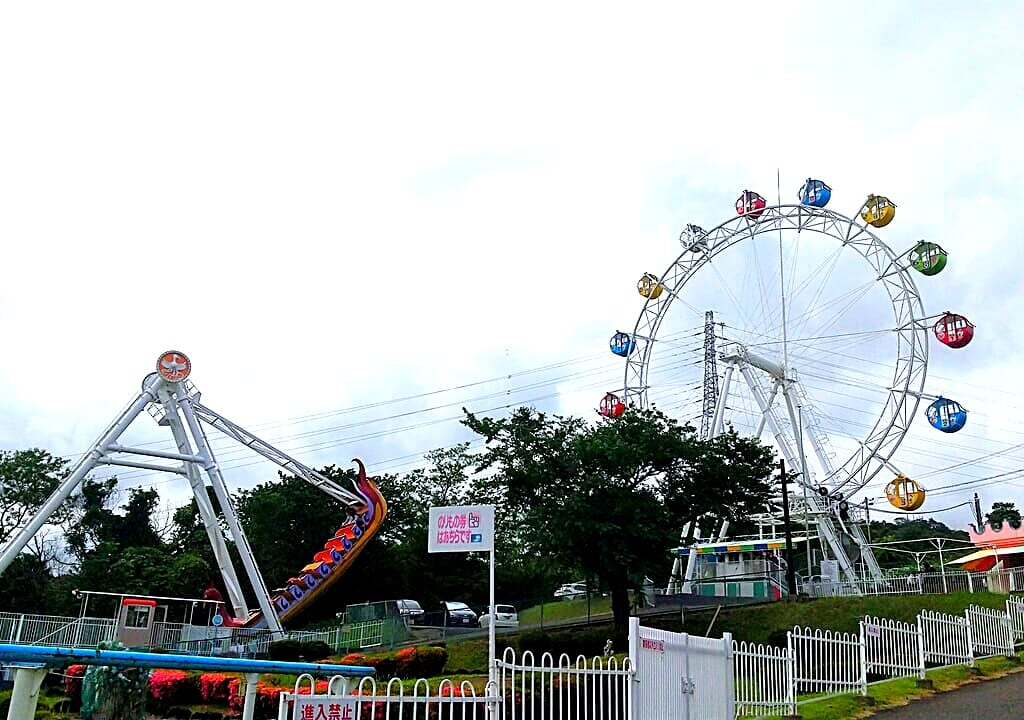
333,206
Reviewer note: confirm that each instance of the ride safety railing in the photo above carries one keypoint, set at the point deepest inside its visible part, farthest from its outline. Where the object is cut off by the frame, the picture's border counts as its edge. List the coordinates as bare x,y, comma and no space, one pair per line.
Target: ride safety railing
89,632
948,581
817,664
54,630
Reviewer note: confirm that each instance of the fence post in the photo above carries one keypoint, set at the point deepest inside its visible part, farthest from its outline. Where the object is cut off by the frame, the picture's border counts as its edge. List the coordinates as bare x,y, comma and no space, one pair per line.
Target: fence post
790,673
1008,628
730,677
21,626
970,635
970,583
863,661
920,646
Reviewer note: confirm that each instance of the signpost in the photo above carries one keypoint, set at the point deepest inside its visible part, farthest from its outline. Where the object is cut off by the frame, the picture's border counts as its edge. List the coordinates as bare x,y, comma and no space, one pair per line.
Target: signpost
467,528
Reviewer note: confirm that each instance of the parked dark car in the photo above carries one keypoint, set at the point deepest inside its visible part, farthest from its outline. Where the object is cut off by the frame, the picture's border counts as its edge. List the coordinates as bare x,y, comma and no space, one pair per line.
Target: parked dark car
459,614
410,611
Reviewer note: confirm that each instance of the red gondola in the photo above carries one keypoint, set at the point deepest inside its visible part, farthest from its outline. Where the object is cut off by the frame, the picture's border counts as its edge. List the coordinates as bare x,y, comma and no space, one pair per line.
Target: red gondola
750,204
954,330
611,406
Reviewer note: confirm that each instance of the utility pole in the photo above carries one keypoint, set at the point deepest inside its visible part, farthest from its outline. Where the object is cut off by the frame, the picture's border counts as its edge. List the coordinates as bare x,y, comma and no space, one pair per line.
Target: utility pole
790,566
979,521
710,377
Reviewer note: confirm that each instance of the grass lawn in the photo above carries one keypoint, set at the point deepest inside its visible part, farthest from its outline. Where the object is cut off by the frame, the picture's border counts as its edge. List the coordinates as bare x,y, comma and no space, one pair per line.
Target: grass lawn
769,623
564,610
894,693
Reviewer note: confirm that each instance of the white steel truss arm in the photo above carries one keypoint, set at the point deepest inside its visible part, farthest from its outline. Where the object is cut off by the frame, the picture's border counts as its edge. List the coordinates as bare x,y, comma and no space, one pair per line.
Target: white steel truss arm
220,489
277,457
80,470
206,511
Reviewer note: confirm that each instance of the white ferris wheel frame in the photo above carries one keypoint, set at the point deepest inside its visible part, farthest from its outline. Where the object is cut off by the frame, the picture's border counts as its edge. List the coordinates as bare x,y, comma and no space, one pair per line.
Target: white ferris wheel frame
904,395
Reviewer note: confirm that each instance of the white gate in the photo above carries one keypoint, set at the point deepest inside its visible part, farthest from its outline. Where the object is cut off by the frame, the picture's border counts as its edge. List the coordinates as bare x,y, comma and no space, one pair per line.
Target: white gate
680,676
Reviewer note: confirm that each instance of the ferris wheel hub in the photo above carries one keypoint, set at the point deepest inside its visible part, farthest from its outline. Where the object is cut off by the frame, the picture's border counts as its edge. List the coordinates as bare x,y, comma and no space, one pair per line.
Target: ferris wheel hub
737,352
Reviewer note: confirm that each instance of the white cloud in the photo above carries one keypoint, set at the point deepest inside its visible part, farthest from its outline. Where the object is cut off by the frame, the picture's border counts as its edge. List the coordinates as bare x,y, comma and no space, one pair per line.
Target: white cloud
332,206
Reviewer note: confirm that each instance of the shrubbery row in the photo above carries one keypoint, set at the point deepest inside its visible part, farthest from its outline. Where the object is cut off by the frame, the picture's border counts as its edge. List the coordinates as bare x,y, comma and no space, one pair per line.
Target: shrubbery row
171,689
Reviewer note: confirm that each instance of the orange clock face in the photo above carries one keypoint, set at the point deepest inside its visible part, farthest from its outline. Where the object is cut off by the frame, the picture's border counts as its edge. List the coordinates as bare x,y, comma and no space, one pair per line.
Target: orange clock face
174,366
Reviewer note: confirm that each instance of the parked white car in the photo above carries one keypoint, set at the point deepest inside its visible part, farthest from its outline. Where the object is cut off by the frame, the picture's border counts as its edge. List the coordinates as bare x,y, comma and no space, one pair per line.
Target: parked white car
571,591
504,616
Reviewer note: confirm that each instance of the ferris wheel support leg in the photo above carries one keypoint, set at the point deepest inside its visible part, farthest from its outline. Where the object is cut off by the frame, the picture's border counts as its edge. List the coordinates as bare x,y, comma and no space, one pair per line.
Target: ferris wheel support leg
78,473
719,421
825,525
230,516
206,511
765,410
677,564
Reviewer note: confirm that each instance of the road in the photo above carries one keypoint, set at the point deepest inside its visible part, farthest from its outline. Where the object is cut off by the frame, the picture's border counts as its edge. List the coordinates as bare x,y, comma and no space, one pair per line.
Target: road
989,699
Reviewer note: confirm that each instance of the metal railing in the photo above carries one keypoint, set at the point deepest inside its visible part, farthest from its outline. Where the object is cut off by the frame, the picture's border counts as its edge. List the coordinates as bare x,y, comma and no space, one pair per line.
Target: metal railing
524,689
823,663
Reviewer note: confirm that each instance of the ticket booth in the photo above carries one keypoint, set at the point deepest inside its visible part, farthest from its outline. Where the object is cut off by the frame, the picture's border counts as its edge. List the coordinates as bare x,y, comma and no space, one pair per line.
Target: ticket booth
135,623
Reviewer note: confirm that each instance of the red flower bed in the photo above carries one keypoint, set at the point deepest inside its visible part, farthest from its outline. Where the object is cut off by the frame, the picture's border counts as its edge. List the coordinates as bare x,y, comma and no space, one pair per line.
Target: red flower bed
215,687
171,687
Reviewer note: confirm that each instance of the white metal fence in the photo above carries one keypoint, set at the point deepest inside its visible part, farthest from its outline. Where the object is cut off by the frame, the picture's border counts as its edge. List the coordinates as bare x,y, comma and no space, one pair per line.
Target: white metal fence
945,639
823,663
827,662
991,633
891,648
763,680
597,689
22,629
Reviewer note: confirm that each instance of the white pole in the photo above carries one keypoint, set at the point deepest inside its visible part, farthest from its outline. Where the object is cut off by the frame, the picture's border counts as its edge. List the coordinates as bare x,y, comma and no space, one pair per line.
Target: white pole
492,668
25,696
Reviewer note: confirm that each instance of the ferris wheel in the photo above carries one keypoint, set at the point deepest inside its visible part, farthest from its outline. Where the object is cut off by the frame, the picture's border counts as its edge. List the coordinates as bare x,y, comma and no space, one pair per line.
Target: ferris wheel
823,340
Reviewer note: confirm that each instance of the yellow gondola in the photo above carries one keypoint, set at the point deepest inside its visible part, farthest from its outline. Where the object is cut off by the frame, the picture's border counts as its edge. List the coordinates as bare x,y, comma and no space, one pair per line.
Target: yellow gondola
904,493
649,286
878,211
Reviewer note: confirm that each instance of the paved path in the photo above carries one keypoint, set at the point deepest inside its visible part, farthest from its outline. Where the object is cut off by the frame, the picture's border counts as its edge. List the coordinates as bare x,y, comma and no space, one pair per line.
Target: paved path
998,699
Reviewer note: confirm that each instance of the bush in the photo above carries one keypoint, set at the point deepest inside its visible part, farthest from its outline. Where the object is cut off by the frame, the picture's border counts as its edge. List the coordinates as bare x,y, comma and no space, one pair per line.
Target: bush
535,641
267,699
422,661
314,650
215,688
173,687
385,667
73,685
286,650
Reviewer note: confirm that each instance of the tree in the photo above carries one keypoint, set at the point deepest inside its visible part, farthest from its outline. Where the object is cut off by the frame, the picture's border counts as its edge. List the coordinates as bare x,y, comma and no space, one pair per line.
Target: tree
609,499
914,536
27,479
1002,512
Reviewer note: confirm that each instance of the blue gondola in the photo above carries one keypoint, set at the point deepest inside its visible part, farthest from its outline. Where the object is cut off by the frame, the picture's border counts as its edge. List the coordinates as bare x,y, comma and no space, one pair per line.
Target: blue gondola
946,415
622,344
815,193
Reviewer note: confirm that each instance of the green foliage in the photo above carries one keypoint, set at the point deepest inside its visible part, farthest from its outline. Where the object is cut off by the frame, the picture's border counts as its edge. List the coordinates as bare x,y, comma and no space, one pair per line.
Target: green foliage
920,530
608,499
769,623
1003,512
28,478
587,642
286,650
312,650
24,584
421,661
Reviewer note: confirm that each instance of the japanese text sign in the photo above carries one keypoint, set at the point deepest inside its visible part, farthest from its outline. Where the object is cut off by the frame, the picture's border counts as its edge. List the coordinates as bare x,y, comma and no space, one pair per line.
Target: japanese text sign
468,528
326,708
